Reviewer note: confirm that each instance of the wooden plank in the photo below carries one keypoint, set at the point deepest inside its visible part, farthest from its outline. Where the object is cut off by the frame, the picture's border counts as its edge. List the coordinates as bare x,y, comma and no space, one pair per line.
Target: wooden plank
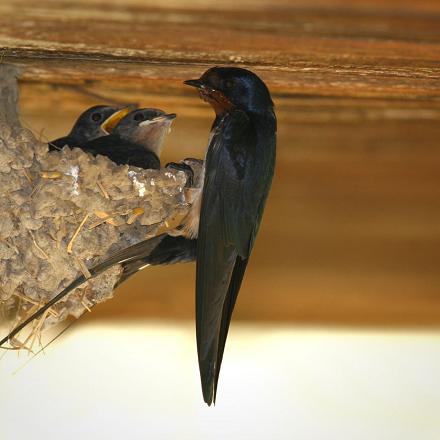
296,49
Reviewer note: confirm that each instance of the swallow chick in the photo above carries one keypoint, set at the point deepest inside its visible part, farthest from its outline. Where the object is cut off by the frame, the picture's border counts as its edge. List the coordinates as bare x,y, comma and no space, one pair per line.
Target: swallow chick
226,216
95,122
137,139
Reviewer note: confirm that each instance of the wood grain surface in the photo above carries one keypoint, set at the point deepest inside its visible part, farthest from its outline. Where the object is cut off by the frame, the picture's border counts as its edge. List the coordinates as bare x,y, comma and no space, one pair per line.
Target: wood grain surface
351,234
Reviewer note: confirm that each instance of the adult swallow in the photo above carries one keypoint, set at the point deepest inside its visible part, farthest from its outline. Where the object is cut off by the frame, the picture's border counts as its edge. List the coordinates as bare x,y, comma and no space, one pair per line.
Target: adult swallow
238,172
137,139
95,122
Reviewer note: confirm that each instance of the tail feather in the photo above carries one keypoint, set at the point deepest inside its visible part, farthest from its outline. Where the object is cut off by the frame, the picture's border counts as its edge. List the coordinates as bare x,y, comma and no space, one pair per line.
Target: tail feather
228,308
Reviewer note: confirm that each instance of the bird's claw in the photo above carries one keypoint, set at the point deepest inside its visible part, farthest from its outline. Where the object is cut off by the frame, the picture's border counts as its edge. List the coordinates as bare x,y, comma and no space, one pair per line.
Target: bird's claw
186,169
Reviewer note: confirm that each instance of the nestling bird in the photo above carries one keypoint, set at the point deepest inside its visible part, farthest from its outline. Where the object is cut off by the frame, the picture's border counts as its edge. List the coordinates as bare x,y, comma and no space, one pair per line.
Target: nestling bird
221,227
95,122
136,140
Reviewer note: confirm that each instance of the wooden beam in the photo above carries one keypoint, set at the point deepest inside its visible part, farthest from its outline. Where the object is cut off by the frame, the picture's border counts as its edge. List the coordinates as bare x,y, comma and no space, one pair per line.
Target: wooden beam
336,51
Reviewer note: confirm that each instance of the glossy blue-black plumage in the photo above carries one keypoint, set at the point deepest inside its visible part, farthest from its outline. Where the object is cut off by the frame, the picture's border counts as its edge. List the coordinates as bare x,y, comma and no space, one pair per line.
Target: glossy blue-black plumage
238,172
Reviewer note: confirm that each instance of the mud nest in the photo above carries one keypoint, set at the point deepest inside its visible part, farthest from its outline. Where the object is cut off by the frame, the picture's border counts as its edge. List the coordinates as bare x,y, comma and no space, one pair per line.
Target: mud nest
63,212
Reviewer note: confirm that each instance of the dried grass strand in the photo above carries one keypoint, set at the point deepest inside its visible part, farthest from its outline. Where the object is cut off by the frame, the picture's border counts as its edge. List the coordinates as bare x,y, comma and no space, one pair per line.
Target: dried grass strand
78,229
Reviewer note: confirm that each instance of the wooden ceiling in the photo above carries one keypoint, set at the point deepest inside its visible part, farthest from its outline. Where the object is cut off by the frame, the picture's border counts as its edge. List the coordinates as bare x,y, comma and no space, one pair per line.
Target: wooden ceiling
351,235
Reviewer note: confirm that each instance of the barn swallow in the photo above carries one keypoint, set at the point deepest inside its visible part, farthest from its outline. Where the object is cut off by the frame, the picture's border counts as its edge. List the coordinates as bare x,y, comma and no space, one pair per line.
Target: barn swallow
95,122
137,139
238,172
221,227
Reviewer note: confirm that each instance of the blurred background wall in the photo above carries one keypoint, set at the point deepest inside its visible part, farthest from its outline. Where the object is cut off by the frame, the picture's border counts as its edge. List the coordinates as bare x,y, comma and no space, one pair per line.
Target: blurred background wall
350,242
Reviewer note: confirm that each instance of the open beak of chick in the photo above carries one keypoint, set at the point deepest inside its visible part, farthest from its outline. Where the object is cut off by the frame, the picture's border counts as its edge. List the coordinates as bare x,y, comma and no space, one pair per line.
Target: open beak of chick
110,123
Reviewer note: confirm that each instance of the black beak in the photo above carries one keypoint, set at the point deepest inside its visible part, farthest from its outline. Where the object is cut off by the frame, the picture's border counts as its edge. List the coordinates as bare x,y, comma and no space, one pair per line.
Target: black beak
194,83
159,119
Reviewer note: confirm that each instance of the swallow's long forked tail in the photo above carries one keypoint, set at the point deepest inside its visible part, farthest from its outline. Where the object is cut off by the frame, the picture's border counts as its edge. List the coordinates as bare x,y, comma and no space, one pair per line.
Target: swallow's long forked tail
160,250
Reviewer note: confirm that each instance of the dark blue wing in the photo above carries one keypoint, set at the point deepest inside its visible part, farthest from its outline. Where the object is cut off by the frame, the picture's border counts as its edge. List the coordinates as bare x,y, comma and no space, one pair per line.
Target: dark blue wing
122,152
238,173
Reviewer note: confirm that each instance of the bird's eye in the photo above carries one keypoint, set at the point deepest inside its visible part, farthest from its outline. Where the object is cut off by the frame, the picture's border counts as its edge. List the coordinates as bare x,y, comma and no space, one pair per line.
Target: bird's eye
229,83
96,117
139,117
